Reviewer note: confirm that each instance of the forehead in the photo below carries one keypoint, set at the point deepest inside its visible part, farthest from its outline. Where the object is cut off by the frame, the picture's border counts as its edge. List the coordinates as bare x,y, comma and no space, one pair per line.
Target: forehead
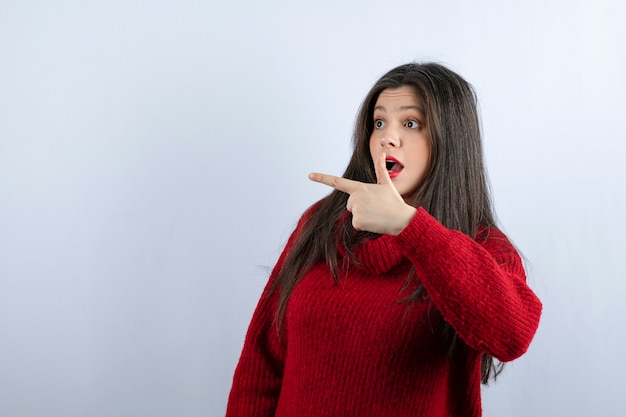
401,96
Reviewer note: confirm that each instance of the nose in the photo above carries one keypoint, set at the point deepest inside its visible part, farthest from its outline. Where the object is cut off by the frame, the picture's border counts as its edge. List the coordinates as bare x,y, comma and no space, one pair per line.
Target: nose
390,140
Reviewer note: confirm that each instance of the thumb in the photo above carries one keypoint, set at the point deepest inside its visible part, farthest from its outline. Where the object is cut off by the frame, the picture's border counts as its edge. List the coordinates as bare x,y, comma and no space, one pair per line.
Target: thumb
380,166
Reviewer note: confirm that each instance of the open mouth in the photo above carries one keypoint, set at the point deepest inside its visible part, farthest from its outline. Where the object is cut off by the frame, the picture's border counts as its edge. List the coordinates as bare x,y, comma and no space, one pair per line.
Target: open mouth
393,166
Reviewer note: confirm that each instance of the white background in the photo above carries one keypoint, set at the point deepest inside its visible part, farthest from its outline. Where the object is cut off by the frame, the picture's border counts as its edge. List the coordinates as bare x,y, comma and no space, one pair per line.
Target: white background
153,160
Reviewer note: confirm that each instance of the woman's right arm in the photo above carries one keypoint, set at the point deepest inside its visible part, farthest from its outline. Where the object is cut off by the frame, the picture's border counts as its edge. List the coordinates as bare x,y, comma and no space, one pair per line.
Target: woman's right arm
258,377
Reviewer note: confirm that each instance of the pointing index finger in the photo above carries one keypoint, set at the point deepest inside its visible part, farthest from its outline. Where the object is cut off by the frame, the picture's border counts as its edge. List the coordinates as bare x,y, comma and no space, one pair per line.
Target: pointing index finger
338,183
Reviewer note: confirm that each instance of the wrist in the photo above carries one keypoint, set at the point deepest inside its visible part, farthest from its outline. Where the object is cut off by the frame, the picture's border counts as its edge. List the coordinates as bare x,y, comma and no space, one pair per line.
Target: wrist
405,218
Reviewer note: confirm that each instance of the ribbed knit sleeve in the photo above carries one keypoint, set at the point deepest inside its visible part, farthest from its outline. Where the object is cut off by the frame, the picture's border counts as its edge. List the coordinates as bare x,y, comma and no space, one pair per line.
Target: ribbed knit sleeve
258,377
478,286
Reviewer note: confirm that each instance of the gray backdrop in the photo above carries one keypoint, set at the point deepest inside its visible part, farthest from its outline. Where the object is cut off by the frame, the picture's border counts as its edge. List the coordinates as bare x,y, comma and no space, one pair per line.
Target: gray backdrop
153,160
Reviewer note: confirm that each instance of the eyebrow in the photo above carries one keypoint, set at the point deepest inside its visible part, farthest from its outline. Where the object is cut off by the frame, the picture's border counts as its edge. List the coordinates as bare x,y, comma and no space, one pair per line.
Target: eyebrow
402,108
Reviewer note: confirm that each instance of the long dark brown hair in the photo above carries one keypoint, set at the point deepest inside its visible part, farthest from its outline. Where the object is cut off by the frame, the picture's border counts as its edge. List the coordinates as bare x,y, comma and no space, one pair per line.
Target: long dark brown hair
454,191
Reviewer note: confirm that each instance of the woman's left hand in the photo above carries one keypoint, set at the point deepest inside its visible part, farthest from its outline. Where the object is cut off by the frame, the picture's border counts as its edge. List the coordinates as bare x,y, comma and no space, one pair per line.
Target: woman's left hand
377,208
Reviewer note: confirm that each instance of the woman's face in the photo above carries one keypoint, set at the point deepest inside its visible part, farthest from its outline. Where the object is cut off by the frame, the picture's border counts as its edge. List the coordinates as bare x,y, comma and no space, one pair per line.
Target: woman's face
400,131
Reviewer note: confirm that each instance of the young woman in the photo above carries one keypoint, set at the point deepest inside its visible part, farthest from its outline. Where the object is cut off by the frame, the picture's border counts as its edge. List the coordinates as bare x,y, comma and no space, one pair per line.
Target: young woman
395,293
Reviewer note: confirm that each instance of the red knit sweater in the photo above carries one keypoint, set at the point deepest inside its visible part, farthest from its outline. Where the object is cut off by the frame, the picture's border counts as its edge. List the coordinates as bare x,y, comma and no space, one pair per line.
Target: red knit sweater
352,349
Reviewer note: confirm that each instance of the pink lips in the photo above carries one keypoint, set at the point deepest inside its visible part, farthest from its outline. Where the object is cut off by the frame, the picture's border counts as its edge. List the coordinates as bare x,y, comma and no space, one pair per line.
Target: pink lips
394,167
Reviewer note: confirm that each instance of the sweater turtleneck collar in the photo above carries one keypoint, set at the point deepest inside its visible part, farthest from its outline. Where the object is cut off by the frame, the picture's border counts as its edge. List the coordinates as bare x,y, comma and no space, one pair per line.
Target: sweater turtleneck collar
376,255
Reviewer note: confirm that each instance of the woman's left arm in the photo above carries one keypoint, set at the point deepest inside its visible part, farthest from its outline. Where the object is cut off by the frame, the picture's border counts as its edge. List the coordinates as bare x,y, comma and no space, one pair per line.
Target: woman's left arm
479,286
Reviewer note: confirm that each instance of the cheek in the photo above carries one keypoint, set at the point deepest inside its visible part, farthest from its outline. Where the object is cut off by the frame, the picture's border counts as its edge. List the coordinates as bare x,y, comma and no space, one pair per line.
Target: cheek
420,159
373,147
425,164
